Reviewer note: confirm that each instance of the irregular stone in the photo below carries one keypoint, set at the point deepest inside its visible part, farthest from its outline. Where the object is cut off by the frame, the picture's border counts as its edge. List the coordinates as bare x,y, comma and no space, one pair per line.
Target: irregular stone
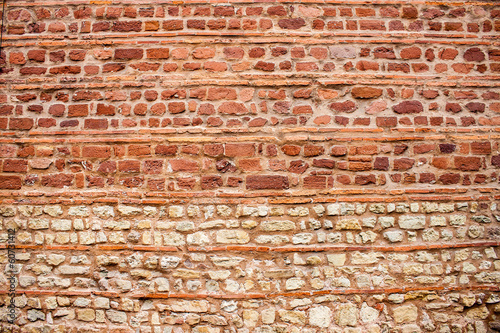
405,314
320,316
411,222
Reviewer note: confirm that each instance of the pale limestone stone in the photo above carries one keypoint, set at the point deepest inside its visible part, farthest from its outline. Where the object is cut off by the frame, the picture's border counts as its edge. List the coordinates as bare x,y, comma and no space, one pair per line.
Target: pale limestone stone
480,312
302,238
104,212
162,284
211,224
61,225
348,224
184,226
360,208
193,211
78,224
369,222
224,211
476,231
456,220
411,222
250,318
298,211
198,238
249,224
336,259
219,275
169,262
405,314
347,315
38,224
377,208
360,258
232,237
277,211
55,259
429,207
117,317
87,237
320,316
366,237
129,210
101,303
386,221
173,239
80,211
446,207
277,225
430,235
437,221
175,211
53,211
333,209
294,284
394,236
268,316
106,260
117,225
368,314
226,262
189,306
85,314
402,208
461,255
272,239
410,328
73,270
319,210
292,317
488,277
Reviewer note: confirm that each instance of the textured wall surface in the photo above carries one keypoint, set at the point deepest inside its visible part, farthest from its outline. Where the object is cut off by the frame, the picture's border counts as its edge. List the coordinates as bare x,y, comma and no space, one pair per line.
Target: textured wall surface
248,166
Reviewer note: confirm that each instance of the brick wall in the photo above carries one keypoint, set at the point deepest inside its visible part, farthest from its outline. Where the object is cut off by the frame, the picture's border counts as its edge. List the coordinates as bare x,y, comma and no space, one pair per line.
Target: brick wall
326,166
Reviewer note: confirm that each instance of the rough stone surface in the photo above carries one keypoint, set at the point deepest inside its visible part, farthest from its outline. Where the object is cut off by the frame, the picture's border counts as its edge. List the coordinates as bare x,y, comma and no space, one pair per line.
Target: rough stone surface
250,166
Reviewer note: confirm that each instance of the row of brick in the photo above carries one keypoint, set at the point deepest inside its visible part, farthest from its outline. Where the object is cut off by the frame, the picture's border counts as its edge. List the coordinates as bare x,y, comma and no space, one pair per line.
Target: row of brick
246,94
232,53
390,18
115,12
247,123
238,150
315,181
262,66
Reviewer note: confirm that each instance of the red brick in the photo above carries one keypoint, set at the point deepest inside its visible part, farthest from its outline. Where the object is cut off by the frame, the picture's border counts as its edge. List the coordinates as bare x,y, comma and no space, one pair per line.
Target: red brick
15,165
21,123
239,149
57,180
467,163
129,166
184,165
96,151
366,92
264,182
10,182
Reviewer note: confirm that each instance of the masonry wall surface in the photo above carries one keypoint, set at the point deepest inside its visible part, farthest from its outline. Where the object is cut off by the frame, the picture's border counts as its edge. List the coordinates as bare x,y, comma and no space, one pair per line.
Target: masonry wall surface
250,166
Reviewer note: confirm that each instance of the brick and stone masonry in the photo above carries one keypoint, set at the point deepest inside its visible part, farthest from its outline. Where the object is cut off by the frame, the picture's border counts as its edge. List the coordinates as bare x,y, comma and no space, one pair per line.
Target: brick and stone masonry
249,166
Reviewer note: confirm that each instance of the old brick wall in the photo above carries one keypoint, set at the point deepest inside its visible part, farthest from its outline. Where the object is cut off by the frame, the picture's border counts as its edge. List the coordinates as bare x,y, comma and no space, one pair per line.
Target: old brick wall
248,166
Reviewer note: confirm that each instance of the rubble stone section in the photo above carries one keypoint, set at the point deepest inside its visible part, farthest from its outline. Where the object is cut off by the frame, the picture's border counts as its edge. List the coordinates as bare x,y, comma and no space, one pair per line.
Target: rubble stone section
250,167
